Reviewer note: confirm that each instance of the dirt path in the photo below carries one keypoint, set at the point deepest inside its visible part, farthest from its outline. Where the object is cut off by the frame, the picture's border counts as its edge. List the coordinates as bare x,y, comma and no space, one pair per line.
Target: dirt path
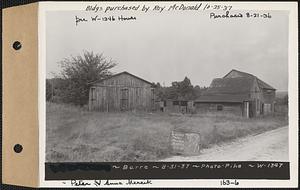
268,146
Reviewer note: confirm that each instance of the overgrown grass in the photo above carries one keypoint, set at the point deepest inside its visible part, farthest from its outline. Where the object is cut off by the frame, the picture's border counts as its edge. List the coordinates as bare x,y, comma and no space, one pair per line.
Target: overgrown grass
74,134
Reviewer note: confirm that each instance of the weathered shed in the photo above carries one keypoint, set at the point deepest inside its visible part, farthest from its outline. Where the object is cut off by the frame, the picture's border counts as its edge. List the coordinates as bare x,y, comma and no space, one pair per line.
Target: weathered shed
122,92
239,93
178,106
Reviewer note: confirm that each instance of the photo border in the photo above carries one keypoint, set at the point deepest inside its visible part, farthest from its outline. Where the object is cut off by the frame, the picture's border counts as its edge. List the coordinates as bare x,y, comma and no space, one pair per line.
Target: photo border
293,98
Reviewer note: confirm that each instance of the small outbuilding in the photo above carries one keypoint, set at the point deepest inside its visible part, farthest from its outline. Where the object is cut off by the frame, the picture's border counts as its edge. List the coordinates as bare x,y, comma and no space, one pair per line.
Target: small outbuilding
122,92
238,93
177,106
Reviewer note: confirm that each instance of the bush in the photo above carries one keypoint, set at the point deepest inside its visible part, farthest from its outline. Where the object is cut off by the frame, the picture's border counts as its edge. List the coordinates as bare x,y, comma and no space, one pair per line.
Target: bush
77,74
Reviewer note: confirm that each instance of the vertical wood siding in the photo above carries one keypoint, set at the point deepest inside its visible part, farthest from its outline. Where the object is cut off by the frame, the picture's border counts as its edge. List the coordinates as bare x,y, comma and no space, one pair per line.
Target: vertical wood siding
109,94
232,108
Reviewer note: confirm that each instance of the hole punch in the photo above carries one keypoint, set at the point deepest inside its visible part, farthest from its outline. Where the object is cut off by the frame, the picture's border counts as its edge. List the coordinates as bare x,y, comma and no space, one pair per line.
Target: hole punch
18,148
17,45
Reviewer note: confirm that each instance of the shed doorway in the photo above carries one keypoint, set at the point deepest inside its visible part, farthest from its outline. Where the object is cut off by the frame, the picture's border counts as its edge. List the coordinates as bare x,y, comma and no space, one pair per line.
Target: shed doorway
124,99
93,97
252,109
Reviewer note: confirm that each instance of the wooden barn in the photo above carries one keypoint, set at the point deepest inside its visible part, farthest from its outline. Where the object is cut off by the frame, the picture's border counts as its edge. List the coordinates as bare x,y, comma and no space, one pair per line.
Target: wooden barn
122,92
238,93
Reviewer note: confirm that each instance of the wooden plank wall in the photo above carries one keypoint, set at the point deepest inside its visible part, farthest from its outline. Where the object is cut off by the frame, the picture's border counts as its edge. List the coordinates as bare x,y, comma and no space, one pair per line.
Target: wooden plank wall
125,80
232,108
108,94
268,97
108,98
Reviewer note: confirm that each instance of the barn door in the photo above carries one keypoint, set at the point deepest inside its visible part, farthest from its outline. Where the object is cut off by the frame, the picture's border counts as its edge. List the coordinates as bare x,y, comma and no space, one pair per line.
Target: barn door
124,99
262,109
109,99
252,109
92,99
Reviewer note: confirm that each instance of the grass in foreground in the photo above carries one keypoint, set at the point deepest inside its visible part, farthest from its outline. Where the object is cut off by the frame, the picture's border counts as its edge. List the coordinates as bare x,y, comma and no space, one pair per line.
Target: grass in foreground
76,135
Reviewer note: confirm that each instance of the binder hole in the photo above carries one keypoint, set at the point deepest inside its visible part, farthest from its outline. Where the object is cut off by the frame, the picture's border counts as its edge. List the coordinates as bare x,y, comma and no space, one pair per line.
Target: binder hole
17,45
18,148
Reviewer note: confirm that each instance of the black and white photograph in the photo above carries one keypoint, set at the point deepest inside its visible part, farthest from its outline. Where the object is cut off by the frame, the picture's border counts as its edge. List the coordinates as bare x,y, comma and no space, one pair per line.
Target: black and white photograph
166,82
150,94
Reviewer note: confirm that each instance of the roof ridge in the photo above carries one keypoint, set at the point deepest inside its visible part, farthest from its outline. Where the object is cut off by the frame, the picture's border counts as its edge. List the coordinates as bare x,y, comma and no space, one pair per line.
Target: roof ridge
265,85
123,72
244,72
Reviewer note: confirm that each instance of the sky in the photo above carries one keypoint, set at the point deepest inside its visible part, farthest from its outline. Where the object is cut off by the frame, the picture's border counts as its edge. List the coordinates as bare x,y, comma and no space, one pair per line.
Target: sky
167,47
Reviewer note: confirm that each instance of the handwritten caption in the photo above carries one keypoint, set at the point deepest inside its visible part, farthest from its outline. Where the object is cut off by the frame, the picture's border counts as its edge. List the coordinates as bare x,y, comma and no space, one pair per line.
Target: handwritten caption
99,183
227,14
119,13
227,182
143,8
158,8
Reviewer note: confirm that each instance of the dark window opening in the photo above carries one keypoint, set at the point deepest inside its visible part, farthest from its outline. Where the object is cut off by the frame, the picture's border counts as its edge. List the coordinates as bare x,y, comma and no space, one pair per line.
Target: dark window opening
219,107
262,108
183,103
175,103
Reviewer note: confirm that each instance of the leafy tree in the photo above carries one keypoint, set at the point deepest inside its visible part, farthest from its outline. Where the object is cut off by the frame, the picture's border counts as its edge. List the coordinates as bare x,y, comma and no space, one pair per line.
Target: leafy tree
185,89
198,91
179,90
159,91
282,100
79,71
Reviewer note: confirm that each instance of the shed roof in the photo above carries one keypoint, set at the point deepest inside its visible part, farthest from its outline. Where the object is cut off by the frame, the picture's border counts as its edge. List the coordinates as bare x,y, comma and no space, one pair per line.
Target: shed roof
124,72
231,89
230,86
261,83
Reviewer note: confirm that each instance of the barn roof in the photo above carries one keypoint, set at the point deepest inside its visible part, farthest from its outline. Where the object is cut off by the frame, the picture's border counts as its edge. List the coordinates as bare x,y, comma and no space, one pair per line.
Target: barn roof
230,86
239,98
228,89
124,72
261,83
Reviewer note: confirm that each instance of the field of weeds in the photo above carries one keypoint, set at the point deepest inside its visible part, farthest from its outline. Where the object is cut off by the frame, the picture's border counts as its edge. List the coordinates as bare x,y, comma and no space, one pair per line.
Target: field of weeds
77,135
